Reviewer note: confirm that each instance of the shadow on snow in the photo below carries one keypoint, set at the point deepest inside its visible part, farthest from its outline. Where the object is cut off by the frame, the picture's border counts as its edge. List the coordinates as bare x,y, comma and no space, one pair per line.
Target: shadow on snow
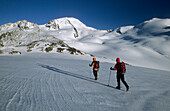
73,75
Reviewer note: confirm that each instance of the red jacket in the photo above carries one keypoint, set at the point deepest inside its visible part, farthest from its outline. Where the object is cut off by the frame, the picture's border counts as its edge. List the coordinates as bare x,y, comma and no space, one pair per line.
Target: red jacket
116,67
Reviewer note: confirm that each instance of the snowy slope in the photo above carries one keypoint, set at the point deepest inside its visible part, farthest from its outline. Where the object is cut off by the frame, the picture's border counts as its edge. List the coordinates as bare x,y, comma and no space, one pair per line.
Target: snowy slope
23,37
154,33
62,82
144,45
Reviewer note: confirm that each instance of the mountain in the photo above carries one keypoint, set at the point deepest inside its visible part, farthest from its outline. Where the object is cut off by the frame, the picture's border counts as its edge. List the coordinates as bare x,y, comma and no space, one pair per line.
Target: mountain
24,36
143,45
154,33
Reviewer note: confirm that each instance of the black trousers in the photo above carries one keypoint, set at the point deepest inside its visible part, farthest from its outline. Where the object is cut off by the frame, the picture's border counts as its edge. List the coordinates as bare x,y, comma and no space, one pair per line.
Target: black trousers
95,73
122,78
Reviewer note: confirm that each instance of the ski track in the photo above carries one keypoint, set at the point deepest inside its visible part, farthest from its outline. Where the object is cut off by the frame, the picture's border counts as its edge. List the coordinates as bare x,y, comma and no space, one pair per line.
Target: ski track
27,85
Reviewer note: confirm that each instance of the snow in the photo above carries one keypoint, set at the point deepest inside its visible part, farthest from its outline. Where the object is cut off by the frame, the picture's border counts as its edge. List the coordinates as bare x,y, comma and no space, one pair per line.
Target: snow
124,29
41,81
144,45
63,82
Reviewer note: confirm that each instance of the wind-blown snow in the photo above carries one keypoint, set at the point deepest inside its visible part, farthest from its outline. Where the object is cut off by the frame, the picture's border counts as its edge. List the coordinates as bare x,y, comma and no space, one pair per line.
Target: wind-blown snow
62,82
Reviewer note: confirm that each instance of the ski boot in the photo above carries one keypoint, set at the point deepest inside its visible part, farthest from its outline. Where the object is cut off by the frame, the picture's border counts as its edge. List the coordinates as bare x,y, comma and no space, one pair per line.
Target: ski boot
117,87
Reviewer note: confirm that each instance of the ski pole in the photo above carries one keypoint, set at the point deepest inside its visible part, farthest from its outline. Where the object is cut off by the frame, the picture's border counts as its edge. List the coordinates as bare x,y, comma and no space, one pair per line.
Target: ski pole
90,72
109,78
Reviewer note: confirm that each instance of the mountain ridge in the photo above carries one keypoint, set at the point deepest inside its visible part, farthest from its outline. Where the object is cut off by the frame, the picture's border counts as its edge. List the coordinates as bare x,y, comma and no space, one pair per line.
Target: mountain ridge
138,45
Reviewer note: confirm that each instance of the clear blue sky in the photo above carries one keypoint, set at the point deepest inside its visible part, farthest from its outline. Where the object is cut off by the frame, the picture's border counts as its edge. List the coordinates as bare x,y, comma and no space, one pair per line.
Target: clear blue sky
99,14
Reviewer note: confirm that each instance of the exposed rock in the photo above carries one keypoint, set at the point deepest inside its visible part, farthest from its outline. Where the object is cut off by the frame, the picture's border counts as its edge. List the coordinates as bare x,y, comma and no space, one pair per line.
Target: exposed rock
74,51
1,52
48,49
53,25
15,52
60,50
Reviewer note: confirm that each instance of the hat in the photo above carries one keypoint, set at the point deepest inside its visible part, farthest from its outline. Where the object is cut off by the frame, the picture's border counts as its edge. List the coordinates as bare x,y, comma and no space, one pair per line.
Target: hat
118,60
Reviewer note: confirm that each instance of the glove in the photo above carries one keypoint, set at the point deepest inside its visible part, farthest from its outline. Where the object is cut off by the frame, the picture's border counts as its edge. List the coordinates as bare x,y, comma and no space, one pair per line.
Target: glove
110,68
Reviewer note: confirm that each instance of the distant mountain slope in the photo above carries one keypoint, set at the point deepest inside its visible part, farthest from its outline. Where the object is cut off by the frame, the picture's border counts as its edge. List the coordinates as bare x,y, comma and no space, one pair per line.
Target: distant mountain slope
24,36
154,33
140,45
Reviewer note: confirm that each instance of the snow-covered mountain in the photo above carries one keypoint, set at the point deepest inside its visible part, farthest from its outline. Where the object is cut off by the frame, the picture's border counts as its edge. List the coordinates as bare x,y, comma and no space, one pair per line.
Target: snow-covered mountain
143,45
154,33
24,36
59,81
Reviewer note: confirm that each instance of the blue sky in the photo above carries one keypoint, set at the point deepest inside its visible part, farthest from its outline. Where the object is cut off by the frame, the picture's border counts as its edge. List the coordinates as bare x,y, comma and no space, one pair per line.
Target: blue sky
99,14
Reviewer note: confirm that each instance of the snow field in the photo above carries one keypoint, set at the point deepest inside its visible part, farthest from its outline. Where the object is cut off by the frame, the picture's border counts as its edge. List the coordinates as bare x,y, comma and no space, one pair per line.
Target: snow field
60,82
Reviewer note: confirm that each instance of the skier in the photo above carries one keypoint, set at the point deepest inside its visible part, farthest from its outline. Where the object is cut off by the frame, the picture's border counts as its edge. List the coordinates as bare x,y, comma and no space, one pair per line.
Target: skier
120,75
95,65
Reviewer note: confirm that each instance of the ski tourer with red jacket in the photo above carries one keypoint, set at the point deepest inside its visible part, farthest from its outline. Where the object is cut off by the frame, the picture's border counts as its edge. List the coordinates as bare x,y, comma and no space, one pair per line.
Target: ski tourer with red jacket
120,73
95,65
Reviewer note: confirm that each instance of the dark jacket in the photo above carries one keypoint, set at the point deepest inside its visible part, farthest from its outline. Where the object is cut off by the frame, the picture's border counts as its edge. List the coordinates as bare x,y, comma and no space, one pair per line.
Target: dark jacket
94,66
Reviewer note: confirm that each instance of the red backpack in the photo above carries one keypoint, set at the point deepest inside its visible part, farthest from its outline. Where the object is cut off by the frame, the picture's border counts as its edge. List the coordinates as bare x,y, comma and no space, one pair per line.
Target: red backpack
122,68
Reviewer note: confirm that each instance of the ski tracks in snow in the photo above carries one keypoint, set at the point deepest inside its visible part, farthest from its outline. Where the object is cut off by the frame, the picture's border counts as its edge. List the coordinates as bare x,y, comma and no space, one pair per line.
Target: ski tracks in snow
61,86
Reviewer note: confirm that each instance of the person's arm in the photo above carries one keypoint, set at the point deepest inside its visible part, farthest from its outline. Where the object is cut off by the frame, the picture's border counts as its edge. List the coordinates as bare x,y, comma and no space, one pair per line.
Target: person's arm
115,67
92,64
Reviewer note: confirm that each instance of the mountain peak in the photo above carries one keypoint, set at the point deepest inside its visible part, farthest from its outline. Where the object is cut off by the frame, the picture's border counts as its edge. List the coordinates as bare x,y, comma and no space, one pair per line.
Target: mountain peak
66,22
147,41
21,25
154,26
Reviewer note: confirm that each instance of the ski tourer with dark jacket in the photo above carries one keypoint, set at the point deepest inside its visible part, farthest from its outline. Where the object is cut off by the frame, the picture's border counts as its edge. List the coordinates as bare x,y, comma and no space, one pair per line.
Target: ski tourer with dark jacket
95,65
120,74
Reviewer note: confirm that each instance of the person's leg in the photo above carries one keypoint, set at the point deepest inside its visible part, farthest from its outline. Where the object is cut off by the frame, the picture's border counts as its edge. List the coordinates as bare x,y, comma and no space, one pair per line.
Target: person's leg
95,74
118,81
124,82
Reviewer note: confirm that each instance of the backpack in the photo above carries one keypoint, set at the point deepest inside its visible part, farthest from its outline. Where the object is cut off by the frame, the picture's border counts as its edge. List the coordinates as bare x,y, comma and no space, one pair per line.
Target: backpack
122,68
97,64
